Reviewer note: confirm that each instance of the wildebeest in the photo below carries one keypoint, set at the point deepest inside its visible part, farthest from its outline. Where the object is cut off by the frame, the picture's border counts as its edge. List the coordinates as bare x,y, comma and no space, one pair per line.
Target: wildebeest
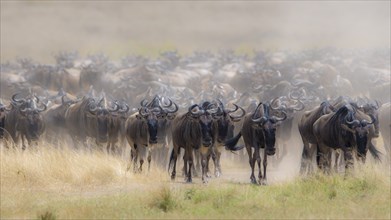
89,118
55,119
307,135
194,130
25,120
259,132
142,128
367,107
225,127
116,127
290,105
347,129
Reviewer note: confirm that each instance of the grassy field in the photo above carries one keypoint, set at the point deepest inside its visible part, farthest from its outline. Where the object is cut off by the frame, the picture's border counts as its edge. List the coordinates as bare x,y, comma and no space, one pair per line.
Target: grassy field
52,183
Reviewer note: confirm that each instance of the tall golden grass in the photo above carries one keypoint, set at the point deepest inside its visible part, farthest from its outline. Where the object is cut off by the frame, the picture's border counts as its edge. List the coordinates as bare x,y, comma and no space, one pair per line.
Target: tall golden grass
50,183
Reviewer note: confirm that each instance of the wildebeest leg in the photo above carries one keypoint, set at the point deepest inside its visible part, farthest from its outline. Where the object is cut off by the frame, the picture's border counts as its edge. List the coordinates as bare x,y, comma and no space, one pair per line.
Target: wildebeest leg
23,144
185,159
190,161
204,153
217,163
324,158
264,181
251,161
198,164
209,155
134,155
149,157
305,158
348,154
257,158
108,147
174,156
140,169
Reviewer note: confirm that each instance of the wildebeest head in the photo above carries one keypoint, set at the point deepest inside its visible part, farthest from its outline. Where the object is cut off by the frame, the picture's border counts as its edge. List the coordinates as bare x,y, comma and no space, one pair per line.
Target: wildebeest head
102,114
156,110
226,119
204,115
267,123
371,109
359,128
289,105
33,118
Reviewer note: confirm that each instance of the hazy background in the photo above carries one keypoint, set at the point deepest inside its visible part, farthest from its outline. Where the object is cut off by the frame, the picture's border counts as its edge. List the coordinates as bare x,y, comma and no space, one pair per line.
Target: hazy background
39,29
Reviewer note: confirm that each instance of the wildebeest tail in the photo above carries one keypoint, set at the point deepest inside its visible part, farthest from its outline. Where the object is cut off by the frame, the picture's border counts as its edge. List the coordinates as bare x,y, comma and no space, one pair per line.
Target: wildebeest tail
230,144
172,158
374,152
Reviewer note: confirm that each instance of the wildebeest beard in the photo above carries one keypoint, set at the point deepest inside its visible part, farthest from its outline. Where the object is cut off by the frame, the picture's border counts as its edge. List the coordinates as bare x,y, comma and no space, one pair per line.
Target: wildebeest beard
152,130
33,130
361,145
206,130
225,129
102,130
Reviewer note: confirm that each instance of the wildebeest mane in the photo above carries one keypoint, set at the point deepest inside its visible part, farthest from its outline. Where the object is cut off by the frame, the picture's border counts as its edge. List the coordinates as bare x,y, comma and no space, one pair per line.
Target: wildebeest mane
335,130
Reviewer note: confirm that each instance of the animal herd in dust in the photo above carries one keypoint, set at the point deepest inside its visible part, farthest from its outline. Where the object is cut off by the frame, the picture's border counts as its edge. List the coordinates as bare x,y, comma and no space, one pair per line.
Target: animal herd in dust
202,104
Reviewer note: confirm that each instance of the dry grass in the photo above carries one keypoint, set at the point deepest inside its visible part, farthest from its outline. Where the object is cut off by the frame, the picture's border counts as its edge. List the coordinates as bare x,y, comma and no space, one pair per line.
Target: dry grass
61,183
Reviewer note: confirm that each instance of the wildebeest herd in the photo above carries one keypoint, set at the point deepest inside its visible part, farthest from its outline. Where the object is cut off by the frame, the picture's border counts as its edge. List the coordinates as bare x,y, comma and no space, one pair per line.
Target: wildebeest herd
339,100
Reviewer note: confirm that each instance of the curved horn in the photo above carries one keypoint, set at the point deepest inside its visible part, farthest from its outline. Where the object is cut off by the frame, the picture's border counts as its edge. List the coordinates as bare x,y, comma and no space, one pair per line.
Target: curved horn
233,117
212,108
261,120
299,106
169,104
279,107
36,97
17,100
62,99
365,122
126,109
8,108
232,110
195,112
290,95
42,109
174,110
275,118
221,105
115,109
93,109
143,103
101,100
255,117
143,111
353,122
24,110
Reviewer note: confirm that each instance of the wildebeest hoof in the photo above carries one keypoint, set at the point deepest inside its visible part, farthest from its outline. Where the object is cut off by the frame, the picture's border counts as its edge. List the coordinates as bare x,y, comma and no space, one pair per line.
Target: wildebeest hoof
263,182
188,180
205,181
208,175
253,180
217,174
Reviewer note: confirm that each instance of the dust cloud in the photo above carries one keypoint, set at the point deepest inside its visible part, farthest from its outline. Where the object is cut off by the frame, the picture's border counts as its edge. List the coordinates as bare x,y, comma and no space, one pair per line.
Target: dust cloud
39,29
